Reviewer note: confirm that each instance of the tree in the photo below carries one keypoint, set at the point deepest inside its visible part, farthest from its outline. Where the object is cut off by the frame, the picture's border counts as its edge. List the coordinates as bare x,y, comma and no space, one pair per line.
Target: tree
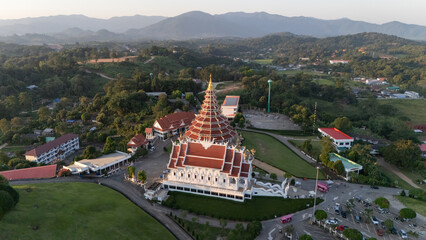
223,223
382,202
6,201
305,237
342,123
273,176
307,146
43,114
142,176
352,234
320,214
90,152
403,193
109,146
24,99
407,213
3,180
338,167
327,148
85,117
4,126
389,224
176,94
253,229
402,153
131,171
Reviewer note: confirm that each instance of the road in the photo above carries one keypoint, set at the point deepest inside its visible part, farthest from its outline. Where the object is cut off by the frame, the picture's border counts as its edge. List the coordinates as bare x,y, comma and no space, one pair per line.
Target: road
395,171
3,145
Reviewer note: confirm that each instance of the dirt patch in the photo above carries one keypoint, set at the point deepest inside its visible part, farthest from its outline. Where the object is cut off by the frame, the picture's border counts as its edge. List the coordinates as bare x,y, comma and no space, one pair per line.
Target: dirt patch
275,121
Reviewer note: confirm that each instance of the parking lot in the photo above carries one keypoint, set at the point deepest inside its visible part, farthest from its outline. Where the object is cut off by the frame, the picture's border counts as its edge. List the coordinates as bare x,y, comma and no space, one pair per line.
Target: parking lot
341,193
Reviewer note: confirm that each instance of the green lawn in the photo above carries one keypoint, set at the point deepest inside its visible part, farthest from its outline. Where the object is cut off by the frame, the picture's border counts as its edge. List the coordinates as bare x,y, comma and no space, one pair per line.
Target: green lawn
77,211
411,108
12,148
396,180
258,208
416,205
273,152
316,145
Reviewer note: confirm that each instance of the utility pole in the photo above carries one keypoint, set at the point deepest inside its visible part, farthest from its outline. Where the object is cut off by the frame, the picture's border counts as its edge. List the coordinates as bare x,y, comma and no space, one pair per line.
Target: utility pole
315,118
315,198
269,96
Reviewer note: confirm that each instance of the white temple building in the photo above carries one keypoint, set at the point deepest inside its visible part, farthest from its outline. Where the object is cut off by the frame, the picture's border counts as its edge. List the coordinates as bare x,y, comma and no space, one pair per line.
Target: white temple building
207,161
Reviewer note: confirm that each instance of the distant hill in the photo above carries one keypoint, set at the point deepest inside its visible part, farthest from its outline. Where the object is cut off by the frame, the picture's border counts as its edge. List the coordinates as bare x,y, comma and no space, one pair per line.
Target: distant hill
60,23
203,25
190,25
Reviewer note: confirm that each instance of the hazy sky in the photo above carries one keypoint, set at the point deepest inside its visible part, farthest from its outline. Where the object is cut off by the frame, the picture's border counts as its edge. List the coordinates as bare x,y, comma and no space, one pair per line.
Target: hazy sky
375,11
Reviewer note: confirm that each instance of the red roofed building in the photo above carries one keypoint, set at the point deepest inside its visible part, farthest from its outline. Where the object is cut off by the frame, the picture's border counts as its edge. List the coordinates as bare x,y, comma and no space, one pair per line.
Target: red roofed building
423,149
54,150
48,171
340,140
149,134
230,106
173,124
136,142
204,161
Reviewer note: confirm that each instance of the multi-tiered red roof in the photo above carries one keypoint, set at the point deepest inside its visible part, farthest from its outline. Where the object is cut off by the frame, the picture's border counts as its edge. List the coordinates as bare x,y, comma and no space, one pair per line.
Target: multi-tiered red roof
210,124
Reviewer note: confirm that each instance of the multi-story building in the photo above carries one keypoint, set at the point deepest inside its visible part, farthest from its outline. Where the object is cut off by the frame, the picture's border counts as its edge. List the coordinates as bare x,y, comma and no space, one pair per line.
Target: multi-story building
230,106
173,124
340,140
55,150
206,160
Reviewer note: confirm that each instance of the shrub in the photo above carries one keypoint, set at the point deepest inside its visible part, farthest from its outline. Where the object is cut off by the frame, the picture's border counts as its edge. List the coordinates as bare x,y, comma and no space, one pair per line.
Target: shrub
305,237
3,180
1,213
352,234
273,176
382,202
320,214
292,182
403,193
407,213
13,193
6,201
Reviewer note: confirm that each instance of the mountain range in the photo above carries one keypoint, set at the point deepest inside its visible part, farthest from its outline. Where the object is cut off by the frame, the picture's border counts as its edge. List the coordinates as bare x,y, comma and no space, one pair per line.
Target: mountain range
190,25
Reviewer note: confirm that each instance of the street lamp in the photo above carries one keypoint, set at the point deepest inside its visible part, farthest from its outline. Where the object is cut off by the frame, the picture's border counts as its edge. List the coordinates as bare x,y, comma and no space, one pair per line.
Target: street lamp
269,96
315,198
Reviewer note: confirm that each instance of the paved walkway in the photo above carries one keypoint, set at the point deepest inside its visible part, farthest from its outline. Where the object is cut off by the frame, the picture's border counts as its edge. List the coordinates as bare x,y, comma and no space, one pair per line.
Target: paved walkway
395,171
268,168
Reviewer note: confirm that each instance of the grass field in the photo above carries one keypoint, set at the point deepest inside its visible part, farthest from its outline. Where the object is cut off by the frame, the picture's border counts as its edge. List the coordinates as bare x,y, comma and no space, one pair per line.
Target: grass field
411,108
396,180
77,211
293,72
263,61
273,152
12,148
416,205
258,208
322,81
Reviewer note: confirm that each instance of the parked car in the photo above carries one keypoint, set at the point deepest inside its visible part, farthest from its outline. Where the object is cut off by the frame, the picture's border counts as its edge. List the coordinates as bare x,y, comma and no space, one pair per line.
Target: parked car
357,218
403,234
383,225
379,232
358,199
374,220
343,214
340,227
374,187
330,221
394,231
336,210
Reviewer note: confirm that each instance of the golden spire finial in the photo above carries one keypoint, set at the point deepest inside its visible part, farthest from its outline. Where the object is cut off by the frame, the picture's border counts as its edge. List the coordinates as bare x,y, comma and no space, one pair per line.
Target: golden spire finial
210,87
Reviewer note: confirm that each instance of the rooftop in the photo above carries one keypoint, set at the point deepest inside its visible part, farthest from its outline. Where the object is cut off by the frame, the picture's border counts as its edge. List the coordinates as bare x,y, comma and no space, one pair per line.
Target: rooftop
348,164
335,133
423,147
48,171
231,101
